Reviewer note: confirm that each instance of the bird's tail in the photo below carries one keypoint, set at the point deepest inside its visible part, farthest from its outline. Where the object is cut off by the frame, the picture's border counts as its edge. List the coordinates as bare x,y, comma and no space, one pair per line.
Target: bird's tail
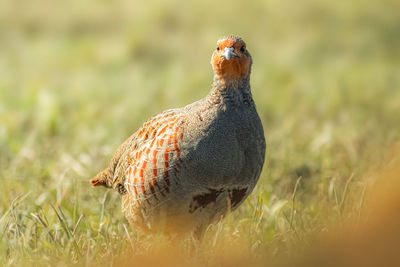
103,178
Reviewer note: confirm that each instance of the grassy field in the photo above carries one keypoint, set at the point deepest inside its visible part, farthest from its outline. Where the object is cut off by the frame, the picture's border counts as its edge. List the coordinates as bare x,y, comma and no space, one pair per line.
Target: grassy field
78,77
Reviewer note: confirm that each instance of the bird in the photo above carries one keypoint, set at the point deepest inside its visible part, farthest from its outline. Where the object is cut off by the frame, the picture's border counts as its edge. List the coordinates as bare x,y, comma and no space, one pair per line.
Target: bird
187,167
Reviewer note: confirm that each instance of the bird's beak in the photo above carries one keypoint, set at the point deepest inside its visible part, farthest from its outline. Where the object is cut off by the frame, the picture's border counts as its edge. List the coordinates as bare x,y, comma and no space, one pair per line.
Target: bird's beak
228,53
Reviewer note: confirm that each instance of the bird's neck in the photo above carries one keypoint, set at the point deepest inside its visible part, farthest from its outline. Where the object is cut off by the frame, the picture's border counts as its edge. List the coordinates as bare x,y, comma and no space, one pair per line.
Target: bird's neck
232,92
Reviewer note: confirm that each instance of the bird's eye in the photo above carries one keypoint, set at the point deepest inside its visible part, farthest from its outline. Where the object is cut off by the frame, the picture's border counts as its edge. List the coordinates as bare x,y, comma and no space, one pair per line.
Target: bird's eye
242,49
217,48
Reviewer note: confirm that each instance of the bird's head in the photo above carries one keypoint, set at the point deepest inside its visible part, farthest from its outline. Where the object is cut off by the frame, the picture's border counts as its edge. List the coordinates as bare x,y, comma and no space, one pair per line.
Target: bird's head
231,61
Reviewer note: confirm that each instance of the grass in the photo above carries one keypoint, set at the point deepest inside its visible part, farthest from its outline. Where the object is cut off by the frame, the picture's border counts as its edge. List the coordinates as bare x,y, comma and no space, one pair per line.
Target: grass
77,78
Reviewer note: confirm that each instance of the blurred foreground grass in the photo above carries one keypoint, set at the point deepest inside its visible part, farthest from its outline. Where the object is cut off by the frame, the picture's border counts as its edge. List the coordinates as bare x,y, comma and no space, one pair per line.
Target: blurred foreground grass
77,78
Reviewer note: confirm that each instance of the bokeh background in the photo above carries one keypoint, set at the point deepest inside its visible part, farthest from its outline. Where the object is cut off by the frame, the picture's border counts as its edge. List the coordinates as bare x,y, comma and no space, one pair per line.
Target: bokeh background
78,77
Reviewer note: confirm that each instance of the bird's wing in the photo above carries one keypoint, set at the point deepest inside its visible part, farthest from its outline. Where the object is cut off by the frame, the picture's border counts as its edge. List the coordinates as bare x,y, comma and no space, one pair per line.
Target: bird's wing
151,157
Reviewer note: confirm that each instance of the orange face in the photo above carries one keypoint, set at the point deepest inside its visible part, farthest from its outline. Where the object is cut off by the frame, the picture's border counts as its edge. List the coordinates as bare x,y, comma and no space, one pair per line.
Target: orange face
231,60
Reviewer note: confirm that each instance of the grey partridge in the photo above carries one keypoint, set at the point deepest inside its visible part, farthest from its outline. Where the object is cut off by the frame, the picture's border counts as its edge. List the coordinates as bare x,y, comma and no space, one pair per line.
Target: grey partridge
187,167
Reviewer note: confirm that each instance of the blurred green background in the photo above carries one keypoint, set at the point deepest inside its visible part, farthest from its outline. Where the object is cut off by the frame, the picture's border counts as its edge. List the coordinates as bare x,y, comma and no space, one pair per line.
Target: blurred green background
78,77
